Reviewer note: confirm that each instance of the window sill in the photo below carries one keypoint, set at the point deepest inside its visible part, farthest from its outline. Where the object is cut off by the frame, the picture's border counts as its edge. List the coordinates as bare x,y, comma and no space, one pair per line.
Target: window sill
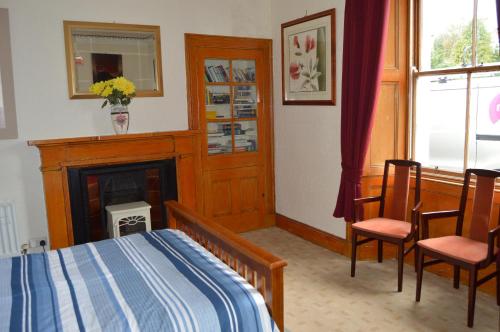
449,178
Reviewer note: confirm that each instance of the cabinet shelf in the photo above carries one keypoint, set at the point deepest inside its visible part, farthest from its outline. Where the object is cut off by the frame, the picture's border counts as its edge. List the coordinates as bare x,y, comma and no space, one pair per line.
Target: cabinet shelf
229,83
219,120
229,119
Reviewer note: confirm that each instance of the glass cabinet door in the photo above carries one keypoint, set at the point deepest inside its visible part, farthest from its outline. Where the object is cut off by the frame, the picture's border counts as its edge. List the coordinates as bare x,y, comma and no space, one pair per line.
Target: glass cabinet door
231,106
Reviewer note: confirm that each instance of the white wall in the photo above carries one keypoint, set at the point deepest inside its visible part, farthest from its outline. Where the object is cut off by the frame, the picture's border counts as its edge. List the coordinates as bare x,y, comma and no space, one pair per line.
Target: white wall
307,138
43,107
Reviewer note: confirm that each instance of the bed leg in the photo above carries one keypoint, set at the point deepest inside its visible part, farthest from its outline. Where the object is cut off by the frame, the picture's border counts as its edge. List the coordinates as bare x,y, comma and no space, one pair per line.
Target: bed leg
277,305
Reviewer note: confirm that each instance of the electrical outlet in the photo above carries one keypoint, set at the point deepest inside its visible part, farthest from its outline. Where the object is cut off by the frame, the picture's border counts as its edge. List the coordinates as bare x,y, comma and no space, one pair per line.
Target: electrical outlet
35,242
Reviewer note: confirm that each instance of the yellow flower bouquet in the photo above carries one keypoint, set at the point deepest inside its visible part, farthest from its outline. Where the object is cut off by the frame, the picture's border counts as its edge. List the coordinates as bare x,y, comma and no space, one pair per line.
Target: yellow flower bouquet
117,91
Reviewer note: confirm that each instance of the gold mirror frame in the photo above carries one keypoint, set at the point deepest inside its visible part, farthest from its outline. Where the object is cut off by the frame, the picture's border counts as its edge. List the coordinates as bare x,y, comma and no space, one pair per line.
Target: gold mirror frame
70,65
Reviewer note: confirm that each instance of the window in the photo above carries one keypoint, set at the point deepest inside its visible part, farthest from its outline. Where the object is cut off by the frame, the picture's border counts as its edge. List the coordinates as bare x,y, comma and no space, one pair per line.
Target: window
457,86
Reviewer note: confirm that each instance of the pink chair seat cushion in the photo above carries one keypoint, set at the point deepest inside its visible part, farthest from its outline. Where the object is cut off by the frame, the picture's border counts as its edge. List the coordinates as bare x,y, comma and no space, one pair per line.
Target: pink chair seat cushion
457,247
385,227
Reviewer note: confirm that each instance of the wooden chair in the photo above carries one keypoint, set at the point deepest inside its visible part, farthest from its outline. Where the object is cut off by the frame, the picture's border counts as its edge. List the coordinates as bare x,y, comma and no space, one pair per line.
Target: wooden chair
475,252
394,228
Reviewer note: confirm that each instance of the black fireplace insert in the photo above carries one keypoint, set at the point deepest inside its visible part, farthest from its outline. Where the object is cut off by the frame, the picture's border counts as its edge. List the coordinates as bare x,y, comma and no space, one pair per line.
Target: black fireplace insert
91,189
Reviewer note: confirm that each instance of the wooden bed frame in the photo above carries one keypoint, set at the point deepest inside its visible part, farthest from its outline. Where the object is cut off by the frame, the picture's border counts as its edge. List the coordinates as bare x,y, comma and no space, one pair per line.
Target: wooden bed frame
260,268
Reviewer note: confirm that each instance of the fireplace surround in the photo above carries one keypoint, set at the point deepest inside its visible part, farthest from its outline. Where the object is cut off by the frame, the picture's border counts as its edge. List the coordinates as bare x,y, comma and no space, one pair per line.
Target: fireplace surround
58,156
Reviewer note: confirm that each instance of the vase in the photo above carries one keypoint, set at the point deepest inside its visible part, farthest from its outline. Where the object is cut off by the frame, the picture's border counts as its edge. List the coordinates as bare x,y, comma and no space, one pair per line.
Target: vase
120,118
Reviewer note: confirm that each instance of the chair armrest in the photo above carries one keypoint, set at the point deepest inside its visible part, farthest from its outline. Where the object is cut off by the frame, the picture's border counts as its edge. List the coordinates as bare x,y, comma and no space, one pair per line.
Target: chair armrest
360,201
494,233
426,216
417,207
415,216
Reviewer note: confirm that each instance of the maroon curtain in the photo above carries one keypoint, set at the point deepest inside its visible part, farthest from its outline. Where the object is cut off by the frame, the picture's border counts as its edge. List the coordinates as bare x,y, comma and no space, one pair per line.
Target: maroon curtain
365,31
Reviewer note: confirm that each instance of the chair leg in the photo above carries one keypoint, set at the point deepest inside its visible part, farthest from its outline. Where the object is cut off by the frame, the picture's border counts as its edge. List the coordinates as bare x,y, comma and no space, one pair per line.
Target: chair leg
401,258
498,282
353,253
416,258
456,276
380,251
416,252
472,296
420,272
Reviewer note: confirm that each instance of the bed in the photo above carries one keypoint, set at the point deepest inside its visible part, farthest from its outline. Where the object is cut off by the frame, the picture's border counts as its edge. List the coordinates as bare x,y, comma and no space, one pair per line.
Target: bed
196,276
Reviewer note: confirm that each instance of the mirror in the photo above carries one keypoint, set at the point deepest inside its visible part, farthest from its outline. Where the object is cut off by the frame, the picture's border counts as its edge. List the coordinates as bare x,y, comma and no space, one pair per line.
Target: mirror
8,122
101,51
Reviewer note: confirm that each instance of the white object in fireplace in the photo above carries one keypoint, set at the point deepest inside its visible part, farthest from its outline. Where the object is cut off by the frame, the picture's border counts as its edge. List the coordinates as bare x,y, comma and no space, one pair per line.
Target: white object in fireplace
125,216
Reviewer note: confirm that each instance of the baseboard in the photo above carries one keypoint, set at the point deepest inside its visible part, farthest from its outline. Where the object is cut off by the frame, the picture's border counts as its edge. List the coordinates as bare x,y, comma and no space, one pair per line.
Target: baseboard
312,234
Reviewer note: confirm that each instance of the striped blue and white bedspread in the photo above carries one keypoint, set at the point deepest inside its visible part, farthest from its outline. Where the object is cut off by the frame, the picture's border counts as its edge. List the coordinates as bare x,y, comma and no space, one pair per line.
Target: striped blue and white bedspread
157,281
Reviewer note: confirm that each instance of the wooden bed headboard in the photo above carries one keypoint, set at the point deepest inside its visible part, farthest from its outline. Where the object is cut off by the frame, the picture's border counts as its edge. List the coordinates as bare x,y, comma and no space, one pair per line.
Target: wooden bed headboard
260,268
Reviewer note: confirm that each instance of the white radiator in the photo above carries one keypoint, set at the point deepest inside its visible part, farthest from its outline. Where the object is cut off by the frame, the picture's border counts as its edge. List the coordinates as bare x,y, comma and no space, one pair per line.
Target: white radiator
9,242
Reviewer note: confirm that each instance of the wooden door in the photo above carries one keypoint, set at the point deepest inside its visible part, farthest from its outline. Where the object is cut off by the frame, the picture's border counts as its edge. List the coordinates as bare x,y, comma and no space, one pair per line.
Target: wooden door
229,93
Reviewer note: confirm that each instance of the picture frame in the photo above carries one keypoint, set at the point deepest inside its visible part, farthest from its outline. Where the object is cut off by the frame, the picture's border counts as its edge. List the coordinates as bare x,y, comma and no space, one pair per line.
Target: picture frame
308,60
8,118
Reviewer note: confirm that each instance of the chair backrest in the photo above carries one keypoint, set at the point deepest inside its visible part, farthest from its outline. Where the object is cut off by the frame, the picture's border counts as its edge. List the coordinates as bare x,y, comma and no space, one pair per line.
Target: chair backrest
401,187
482,203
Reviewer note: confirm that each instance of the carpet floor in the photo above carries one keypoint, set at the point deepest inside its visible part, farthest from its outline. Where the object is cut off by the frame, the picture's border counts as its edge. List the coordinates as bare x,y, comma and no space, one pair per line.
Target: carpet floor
320,295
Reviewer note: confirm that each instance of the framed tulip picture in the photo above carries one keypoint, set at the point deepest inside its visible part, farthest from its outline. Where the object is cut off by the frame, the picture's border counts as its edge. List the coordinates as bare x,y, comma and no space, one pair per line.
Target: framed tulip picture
308,60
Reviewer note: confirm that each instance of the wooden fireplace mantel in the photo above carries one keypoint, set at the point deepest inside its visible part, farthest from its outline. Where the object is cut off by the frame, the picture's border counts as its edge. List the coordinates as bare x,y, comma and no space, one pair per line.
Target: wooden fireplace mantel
57,155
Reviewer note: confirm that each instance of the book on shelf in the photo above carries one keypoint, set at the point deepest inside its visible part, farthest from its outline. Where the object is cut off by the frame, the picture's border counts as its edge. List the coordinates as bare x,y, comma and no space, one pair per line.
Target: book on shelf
211,114
244,88
244,107
217,134
207,75
216,74
244,101
245,114
217,98
244,75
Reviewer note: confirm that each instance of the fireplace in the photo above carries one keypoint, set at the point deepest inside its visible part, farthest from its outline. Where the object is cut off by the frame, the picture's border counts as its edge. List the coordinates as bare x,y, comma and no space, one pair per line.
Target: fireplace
91,189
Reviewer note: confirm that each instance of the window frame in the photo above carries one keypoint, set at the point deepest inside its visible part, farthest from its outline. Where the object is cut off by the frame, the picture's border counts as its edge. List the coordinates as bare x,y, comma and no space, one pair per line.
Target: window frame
441,175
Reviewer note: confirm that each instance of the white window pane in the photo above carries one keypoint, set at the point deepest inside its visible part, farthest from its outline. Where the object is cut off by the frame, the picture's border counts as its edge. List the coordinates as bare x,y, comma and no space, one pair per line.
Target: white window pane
446,33
487,36
484,132
440,121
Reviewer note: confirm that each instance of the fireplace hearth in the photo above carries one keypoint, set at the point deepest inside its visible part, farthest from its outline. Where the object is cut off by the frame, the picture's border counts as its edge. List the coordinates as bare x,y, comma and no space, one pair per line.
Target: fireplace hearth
91,189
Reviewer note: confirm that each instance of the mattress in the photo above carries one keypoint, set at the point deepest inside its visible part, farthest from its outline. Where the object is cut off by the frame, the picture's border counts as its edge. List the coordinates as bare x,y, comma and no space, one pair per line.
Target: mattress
156,281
